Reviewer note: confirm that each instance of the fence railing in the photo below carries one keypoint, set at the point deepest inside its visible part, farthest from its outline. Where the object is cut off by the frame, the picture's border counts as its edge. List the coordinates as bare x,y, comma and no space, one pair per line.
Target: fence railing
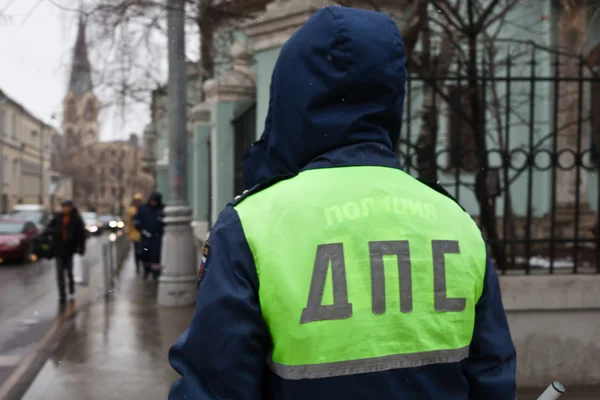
515,145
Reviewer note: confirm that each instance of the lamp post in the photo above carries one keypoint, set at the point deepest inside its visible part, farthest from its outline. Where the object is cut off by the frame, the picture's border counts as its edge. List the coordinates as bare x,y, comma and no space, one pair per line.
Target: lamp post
178,283
41,196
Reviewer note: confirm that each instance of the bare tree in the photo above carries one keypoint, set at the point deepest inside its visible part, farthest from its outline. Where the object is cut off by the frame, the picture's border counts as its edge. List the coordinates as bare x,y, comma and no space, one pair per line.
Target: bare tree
440,36
130,36
469,31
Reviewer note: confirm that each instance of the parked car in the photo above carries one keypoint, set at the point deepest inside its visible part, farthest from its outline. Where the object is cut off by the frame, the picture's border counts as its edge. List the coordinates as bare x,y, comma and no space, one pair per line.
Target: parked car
16,239
110,223
36,213
92,224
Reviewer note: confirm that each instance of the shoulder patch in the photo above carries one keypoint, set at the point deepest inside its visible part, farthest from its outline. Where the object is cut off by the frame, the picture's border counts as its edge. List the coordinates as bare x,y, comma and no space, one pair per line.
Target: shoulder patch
440,189
202,269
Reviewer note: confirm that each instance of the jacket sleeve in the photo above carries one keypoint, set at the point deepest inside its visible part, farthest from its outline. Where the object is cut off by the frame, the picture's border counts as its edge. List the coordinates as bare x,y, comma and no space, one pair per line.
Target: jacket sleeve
491,365
222,355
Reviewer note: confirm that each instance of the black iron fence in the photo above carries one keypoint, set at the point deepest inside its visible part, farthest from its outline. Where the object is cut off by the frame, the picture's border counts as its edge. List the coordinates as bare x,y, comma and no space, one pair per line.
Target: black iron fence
514,142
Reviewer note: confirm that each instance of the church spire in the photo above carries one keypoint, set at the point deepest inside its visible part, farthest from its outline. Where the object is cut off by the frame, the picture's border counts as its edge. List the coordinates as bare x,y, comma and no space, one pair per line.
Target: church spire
80,81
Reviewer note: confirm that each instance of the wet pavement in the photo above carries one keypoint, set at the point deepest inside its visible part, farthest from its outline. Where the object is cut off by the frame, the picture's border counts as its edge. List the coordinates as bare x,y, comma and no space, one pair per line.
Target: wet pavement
115,349
591,393
29,308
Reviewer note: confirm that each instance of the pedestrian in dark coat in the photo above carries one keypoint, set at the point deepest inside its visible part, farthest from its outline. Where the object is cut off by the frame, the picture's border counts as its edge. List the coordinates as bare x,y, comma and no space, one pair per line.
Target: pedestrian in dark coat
149,221
68,238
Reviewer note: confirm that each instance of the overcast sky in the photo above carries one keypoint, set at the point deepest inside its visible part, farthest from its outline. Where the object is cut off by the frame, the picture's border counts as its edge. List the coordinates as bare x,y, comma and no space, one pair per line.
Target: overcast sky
36,42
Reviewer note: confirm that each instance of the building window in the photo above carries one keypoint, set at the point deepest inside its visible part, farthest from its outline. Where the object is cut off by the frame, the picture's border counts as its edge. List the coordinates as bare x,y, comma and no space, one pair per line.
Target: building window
15,171
7,164
15,125
2,114
90,112
461,137
71,114
70,136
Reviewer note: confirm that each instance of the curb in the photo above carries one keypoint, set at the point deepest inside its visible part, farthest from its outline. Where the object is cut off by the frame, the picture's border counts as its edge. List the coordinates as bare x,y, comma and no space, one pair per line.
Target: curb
18,382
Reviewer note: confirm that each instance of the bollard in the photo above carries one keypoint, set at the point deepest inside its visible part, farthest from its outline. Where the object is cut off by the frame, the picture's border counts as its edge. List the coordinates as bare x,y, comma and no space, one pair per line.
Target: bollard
85,272
111,252
553,392
106,265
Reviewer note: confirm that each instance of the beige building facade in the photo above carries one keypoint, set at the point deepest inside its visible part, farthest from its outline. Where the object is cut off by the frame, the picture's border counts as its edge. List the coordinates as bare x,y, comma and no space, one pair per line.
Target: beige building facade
25,150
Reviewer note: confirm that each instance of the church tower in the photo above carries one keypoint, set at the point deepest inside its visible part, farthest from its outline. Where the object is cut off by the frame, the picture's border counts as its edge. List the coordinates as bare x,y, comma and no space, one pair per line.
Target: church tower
80,106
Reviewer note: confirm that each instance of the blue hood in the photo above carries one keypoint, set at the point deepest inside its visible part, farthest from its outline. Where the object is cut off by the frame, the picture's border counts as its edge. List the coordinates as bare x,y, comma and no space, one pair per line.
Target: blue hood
336,97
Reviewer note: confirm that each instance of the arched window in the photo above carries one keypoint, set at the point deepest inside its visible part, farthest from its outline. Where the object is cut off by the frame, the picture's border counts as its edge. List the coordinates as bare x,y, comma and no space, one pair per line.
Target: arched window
71,113
90,111
70,136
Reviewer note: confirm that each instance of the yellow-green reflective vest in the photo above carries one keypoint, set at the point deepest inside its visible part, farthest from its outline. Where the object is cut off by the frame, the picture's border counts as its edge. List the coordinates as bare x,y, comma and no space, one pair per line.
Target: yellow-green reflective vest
363,269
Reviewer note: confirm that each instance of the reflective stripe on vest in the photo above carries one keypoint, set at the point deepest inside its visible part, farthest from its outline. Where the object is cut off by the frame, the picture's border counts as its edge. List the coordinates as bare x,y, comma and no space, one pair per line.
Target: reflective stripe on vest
363,269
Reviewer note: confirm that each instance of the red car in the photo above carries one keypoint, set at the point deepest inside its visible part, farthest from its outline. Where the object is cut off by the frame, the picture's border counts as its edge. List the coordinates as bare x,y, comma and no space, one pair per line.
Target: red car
16,238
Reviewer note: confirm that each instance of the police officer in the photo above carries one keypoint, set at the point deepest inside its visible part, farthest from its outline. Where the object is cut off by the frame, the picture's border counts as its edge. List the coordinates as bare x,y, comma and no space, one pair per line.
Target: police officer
339,276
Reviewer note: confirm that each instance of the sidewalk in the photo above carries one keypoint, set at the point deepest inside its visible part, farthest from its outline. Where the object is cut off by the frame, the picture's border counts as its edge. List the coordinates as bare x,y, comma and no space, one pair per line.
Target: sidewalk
115,349
31,319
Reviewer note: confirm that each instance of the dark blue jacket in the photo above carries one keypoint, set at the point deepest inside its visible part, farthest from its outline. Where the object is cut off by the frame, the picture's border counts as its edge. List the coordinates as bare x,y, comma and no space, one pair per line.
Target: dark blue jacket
75,239
337,94
149,221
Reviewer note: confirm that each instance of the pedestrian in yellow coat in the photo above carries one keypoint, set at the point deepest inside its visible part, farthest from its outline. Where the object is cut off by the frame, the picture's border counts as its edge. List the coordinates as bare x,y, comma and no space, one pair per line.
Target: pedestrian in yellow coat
134,235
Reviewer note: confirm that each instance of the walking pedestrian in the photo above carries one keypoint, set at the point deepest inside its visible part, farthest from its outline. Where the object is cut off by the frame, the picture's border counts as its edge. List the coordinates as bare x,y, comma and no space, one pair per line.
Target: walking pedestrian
149,221
133,234
338,275
68,238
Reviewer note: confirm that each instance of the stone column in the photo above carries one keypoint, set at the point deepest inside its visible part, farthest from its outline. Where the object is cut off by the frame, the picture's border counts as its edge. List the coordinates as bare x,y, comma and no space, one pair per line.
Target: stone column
177,286
201,173
233,91
149,150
